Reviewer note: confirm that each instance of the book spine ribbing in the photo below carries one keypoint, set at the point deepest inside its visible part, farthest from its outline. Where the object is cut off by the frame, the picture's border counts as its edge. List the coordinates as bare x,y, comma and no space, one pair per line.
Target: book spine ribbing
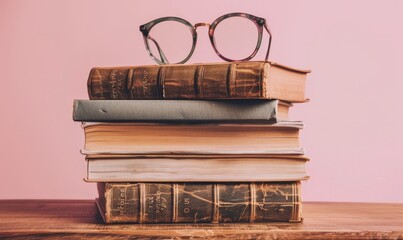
208,81
201,202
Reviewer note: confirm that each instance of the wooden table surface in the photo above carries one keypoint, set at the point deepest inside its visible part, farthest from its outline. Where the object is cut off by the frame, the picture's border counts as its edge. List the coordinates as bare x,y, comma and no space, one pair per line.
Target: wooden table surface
79,219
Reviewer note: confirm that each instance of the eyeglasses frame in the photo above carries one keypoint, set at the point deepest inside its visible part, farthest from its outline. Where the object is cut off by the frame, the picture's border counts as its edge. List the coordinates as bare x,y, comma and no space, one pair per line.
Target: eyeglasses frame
259,22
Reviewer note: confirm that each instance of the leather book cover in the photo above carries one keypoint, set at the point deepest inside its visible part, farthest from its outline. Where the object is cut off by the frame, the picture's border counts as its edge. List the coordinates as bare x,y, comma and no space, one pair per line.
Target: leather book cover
236,80
200,202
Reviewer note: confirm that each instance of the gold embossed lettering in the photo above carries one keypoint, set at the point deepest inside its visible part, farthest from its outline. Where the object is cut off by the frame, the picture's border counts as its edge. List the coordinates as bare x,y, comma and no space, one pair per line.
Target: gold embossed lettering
161,202
121,201
150,202
117,83
114,92
146,89
187,202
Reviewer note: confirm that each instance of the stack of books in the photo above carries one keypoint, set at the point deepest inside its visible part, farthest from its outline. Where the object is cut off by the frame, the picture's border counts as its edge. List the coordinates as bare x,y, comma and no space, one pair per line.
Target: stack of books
197,143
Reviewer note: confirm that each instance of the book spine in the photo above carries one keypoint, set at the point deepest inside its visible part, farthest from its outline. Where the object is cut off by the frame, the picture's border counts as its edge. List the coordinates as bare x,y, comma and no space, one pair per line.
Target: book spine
201,202
177,110
205,81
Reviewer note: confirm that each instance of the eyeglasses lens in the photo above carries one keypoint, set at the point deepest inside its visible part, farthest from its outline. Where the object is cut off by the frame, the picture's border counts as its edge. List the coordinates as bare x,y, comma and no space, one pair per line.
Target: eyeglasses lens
236,37
170,41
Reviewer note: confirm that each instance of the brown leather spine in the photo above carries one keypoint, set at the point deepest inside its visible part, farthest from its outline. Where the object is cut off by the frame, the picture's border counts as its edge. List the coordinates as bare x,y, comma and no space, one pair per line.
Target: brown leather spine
201,202
108,83
209,81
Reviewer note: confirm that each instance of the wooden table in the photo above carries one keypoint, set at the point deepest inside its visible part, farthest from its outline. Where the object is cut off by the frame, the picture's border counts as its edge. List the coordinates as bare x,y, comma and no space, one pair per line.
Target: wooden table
79,219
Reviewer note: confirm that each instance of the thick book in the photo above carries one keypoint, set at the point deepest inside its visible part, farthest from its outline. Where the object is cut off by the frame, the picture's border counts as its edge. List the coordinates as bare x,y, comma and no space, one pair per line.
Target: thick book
200,202
236,80
180,110
196,168
199,138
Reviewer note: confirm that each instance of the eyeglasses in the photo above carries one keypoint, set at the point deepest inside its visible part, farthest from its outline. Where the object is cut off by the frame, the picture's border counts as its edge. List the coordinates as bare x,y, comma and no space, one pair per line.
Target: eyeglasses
233,36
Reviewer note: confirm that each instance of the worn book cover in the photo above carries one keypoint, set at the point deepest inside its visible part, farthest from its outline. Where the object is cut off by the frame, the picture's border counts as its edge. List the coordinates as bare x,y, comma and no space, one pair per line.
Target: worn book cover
180,110
200,202
235,80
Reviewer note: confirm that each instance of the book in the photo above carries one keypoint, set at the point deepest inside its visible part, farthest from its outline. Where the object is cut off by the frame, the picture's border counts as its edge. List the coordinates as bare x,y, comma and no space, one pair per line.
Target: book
196,168
180,110
199,202
199,138
235,80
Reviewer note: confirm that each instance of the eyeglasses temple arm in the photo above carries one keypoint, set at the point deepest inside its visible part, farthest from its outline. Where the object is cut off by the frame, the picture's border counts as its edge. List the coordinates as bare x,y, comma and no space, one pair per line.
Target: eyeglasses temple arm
164,59
270,39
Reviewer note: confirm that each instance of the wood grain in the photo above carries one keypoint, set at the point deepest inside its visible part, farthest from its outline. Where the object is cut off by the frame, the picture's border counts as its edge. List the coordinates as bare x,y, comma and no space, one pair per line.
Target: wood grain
79,219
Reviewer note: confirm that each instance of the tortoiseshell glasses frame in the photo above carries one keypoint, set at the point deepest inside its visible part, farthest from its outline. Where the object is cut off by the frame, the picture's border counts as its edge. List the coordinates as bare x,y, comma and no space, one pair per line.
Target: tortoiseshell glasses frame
259,22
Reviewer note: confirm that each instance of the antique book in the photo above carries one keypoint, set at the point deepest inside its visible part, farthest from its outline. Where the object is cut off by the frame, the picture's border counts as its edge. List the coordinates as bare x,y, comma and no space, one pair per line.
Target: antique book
180,110
200,202
199,138
196,168
236,80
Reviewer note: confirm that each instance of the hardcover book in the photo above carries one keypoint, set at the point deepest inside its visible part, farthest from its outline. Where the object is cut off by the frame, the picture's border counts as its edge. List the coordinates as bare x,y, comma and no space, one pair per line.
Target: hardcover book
236,80
180,110
200,138
199,202
196,168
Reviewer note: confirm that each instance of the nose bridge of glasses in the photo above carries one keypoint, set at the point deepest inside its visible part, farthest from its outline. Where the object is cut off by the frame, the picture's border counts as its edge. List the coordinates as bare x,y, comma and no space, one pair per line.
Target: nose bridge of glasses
201,25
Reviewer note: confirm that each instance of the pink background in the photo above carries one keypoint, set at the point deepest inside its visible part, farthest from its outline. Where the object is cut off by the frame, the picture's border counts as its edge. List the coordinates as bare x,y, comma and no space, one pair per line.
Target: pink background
353,130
